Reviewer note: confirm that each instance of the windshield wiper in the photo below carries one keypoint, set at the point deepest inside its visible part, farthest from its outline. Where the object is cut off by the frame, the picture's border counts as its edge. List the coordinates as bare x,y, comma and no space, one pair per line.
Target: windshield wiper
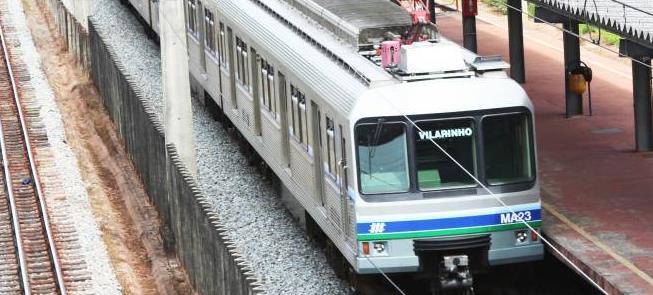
375,139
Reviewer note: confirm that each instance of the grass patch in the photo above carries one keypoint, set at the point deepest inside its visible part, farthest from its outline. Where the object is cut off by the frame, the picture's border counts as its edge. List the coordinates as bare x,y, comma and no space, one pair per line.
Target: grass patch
499,5
606,37
531,9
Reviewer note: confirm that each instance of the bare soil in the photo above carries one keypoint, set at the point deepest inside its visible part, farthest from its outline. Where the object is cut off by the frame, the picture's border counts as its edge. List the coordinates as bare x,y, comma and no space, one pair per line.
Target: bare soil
128,221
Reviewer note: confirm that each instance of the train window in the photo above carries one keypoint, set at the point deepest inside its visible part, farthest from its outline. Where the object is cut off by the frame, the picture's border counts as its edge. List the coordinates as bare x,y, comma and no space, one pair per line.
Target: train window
238,50
267,87
434,169
191,6
222,47
293,110
299,118
242,53
331,147
271,90
507,149
245,65
209,31
382,158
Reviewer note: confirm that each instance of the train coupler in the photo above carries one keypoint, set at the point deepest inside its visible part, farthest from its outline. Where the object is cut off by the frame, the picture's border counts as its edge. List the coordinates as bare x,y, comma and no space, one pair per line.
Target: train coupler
455,273
448,263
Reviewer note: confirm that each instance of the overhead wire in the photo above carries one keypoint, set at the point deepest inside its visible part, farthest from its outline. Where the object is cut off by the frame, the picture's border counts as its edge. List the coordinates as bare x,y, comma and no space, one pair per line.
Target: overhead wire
199,39
574,34
483,186
632,7
499,200
587,23
384,275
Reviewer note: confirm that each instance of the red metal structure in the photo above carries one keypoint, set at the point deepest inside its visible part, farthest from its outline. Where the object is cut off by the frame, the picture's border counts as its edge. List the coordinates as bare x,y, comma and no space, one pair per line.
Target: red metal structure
418,9
420,14
470,8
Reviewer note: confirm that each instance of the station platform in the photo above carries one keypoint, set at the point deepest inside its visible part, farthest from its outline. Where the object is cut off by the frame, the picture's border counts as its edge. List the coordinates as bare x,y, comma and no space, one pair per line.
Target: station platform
597,191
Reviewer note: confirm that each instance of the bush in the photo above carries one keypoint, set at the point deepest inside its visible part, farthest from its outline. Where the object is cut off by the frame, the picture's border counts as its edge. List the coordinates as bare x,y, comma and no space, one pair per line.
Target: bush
606,37
531,9
499,5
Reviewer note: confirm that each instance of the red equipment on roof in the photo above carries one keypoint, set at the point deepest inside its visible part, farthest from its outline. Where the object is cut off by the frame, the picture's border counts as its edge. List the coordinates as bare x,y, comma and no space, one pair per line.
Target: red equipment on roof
420,15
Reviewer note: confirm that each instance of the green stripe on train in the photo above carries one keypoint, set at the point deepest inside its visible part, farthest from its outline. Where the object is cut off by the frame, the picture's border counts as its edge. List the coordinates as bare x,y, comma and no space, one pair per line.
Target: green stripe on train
446,232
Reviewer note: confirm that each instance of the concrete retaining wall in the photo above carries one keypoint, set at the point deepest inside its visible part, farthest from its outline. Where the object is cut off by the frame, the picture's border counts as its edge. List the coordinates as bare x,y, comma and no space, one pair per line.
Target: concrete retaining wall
73,33
203,248
211,259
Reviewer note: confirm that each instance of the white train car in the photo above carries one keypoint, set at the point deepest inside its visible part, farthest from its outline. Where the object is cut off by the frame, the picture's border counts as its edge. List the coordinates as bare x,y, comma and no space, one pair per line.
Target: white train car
148,10
352,142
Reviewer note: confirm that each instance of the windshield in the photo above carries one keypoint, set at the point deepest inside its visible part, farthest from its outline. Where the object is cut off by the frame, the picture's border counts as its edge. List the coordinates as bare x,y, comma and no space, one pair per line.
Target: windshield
434,169
397,157
506,141
382,158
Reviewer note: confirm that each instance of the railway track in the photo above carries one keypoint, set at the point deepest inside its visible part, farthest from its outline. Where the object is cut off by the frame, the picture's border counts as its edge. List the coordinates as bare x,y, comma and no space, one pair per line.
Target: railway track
29,261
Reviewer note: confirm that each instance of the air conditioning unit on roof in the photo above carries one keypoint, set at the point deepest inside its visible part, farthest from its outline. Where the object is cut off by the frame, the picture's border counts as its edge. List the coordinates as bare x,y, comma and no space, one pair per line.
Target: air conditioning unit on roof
427,57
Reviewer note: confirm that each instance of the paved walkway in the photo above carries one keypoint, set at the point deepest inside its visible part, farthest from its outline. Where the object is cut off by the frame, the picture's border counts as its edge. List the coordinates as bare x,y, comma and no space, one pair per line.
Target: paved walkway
597,192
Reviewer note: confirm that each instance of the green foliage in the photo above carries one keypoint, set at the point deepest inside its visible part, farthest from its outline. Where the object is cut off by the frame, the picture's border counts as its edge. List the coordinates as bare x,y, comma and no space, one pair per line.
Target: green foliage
584,29
499,5
531,9
606,37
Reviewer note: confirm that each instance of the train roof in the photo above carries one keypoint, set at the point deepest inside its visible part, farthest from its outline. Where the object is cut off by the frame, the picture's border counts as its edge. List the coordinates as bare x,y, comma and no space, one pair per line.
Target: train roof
310,54
356,21
295,56
338,52
321,22
441,96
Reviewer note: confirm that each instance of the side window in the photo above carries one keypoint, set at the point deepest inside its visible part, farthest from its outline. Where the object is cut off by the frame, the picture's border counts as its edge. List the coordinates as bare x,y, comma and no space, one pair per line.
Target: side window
331,147
242,53
299,118
191,6
192,17
209,31
222,52
239,50
267,90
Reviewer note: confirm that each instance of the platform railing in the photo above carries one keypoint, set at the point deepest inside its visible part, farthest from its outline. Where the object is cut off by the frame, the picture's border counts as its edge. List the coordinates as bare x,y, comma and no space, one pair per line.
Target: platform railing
614,14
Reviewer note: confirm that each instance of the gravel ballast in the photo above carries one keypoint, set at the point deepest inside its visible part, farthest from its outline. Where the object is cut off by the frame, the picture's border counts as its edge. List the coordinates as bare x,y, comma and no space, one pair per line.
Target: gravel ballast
129,41
76,203
257,221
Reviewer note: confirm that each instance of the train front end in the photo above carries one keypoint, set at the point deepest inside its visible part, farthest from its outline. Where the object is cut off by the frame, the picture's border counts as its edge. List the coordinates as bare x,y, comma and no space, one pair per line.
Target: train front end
446,179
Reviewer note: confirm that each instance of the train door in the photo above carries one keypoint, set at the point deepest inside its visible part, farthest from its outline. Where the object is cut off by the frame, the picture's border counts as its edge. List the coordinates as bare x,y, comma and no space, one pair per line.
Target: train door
220,87
317,152
283,108
154,15
222,63
344,181
232,74
257,81
203,30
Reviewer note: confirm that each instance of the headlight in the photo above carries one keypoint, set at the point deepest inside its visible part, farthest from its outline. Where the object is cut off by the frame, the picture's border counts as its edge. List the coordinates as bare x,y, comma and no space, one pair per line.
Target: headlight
380,248
521,237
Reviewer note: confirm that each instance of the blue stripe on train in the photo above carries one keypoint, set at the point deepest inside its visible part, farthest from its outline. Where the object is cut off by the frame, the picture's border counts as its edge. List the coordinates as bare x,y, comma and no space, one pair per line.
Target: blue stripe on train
446,223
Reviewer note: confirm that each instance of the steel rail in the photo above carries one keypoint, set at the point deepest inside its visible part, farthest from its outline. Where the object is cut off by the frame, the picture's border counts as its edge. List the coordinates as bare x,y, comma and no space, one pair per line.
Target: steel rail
37,186
8,182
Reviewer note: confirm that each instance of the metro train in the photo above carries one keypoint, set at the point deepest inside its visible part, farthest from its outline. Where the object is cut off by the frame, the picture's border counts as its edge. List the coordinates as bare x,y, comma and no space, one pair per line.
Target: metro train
347,116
